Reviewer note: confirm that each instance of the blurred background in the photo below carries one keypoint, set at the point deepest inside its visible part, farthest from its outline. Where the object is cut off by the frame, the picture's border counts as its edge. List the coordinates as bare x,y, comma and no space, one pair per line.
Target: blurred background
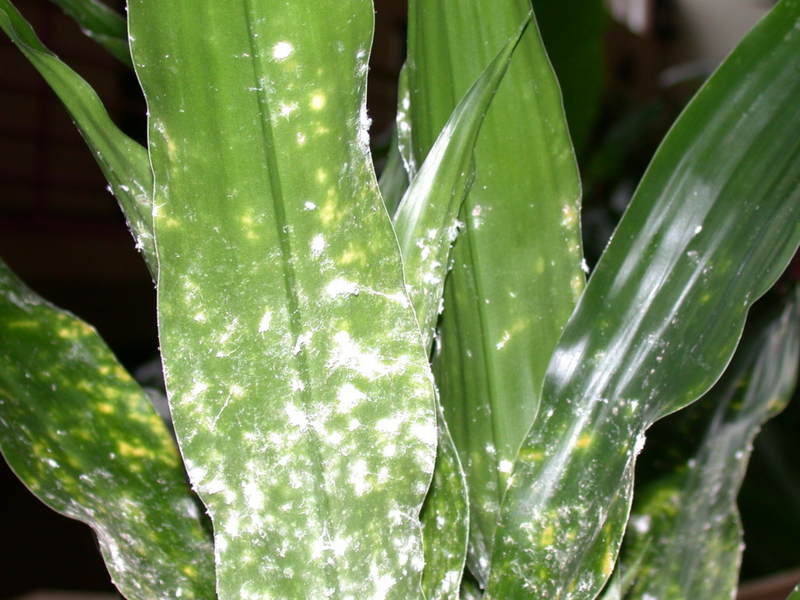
626,67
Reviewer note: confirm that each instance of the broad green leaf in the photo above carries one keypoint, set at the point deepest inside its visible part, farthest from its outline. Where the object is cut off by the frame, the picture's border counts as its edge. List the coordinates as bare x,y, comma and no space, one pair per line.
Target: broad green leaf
124,162
687,518
105,26
426,226
516,266
300,389
82,436
712,225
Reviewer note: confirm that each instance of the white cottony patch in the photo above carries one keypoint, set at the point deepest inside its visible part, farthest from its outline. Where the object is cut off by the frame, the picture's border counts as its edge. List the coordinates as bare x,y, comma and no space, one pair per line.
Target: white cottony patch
425,433
383,583
253,495
349,396
349,354
389,425
309,206
584,266
296,416
358,477
505,466
639,446
364,123
282,50
287,109
317,246
266,320
302,340
506,336
698,229
341,287
214,487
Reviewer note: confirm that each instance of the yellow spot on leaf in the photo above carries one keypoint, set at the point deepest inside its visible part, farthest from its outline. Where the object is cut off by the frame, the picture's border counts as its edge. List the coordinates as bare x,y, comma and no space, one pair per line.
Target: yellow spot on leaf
548,536
105,408
318,102
584,441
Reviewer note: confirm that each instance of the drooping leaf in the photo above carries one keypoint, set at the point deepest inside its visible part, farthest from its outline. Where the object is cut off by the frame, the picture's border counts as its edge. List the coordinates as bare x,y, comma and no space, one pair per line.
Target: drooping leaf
516,266
104,25
687,518
124,162
82,436
300,389
711,227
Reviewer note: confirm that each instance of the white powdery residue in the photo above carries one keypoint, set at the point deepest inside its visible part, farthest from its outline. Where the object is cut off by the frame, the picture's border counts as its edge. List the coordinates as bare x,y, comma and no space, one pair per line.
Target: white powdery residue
287,109
358,477
349,396
214,487
426,433
499,345
266,321
253,495
584,266
383,475
52,463
317,246
383,583
353,424
296,417
490,449
341,287
505,466
639,446
309,206
451,581
390,425
339,546
364,123
349,354
198,389
302,340
698,229
389,450
335,438
282,50
196,474
232,526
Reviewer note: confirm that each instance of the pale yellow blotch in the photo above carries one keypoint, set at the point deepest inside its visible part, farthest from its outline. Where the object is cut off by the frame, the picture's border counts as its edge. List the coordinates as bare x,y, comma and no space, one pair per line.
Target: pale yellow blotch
105,408
68,333
23,325
322,176
329,213
608,563
548,536
584,441
104,370
321,130
247,221
189,571
128,451
171,223
352,255
576,285
540,265
318,102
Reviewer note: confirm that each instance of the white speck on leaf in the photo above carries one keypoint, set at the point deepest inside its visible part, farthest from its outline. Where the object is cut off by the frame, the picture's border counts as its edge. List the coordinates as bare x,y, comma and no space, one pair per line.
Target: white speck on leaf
282,50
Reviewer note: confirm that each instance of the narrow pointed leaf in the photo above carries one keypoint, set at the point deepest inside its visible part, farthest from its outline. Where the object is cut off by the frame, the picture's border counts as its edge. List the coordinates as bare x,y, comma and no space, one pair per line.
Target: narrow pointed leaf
299,386
82,436
711,227
426,220
105,26
124,162
426,226
516,267
687,519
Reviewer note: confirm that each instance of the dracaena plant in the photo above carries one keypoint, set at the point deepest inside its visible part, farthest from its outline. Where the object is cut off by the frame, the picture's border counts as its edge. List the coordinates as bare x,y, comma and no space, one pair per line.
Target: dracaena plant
406,389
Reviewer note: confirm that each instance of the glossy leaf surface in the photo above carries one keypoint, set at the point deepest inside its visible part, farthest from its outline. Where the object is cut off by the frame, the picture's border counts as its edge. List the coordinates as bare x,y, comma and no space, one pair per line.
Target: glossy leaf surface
105,26
711,227
516,266
124,162
686,523
299,385
83,437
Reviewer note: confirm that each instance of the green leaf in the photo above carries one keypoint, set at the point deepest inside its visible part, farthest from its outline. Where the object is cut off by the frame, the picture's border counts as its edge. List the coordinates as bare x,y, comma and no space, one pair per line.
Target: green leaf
82,436
516,266
393,182
574,33
711,227
124,162
300,389
426,226
105,26
687,518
